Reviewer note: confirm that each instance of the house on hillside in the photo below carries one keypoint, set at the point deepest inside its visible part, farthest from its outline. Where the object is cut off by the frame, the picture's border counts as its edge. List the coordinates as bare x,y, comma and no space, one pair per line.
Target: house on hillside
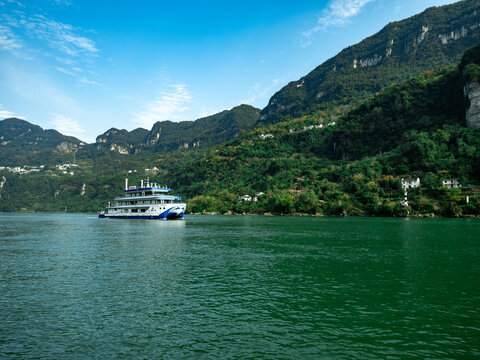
451,183
265,136
245,198
410,183
257,195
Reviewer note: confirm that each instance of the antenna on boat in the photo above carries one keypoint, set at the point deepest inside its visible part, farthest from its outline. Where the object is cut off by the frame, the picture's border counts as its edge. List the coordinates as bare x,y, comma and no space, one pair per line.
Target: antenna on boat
126,183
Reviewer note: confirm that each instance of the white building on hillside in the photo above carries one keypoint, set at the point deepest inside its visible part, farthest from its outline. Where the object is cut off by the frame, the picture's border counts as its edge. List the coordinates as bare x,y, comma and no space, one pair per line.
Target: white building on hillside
451,183
265,136
410,183
245,198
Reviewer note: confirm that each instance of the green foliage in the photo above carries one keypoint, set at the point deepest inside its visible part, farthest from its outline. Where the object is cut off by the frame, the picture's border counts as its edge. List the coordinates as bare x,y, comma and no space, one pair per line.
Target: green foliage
364,69
425,103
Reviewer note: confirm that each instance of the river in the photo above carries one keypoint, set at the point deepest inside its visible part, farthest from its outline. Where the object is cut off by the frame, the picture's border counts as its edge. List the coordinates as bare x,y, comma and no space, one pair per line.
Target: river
73,286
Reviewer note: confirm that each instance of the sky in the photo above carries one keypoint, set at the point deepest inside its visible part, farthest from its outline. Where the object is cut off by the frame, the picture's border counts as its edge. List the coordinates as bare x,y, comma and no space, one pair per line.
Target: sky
83,66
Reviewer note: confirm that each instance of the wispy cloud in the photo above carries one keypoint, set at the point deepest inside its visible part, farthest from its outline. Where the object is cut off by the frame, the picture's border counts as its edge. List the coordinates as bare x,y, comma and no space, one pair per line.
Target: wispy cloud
63,37
77,73
4,114
337,13
168,105
87,81
63,2
261,92
8,41
30,36
67,126
205,111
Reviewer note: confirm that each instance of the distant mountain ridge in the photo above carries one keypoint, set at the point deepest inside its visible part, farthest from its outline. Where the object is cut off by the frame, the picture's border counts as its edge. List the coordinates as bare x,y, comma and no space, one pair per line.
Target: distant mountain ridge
20,133
166,136
401,50
19,139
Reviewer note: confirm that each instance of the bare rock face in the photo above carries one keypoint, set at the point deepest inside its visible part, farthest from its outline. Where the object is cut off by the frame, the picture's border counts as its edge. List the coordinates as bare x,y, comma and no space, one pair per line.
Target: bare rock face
67,147
119,148
472,91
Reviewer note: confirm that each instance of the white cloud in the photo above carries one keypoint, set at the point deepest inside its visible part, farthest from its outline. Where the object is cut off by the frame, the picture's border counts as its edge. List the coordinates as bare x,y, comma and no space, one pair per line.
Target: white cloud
167,105
5,114
67,126
65,71
8,41
60,36
84,80
207,111
259,92
27,36
75,72
337,13
63,2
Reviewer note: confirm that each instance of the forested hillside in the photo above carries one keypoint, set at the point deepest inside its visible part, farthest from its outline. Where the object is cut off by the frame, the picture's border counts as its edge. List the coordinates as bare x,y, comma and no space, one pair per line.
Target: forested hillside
414,129
167,136
400,51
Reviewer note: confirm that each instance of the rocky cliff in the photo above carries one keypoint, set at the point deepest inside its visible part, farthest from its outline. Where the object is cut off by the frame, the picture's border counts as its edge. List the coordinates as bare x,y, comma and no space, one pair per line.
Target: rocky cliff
472,91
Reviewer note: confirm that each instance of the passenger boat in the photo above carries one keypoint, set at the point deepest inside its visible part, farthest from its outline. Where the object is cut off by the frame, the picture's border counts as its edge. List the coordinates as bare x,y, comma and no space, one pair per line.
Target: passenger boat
149,201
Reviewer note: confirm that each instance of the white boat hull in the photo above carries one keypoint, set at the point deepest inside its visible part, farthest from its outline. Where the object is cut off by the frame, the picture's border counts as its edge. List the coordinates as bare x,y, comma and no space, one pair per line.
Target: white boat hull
170,212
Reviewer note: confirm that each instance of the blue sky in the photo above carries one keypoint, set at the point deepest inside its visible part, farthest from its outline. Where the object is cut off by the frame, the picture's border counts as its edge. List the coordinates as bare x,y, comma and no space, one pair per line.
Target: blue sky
83,67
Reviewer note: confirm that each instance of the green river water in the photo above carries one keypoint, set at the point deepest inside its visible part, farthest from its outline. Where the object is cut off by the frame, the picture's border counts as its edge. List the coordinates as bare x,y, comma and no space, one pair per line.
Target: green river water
73,286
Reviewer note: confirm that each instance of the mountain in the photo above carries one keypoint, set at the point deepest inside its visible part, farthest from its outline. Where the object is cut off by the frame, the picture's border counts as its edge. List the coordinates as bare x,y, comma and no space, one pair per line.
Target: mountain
167,136
401,50
20,133
205,132
23,143
415,129
122,141
426,127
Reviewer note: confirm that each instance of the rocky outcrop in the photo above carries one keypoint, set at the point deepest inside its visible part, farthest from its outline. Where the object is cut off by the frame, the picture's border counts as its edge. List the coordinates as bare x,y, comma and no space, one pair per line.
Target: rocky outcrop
472,91
119,148
372,61
67,147
453,35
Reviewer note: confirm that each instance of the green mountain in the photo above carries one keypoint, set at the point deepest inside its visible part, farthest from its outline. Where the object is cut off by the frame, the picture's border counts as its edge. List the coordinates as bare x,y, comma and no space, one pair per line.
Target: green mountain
415,129
17,132
122,141
167,136
23,143
401,50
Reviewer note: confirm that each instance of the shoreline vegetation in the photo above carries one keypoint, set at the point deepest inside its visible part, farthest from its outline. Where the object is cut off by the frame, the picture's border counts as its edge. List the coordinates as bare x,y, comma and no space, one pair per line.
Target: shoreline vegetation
267,214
